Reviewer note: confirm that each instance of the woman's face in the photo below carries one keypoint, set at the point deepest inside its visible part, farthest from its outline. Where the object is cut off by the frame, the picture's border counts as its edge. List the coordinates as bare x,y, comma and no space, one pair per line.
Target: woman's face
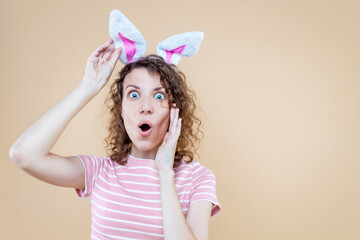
145,111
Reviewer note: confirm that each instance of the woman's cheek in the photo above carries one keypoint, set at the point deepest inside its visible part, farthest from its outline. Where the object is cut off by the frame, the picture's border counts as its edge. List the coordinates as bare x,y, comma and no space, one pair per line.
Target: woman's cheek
165,121
127,121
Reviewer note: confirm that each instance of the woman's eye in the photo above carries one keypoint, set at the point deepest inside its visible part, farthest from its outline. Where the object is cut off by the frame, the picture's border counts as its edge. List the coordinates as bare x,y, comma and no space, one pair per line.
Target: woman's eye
134,95
159,96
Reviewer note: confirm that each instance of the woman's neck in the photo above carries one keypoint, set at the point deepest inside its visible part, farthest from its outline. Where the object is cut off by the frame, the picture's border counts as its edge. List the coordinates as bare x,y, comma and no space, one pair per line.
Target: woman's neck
137,153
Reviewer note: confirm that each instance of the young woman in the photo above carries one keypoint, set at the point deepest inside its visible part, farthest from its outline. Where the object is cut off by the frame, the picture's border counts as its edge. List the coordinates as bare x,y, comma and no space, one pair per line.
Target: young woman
149,187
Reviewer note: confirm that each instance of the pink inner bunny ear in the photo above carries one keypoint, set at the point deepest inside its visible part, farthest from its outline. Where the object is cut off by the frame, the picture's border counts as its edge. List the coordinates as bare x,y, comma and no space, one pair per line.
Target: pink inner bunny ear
177,50
129,47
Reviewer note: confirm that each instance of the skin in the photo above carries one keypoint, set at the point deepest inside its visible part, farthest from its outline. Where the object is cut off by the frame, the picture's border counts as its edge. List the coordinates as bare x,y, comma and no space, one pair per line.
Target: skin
43,134
145,99
160,147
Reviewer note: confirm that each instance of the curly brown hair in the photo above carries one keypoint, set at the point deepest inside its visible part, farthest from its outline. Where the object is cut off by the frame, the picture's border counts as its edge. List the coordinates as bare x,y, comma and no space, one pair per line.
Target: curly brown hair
118,143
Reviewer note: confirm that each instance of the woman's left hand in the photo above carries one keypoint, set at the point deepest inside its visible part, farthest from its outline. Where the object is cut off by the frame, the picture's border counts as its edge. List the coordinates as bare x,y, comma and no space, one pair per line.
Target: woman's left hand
165,155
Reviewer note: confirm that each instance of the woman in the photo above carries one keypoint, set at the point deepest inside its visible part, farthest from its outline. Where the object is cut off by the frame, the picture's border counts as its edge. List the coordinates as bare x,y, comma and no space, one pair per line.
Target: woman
149,187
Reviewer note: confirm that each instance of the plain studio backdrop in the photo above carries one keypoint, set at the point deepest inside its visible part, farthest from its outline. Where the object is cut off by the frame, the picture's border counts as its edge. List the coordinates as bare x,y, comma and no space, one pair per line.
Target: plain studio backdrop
278,91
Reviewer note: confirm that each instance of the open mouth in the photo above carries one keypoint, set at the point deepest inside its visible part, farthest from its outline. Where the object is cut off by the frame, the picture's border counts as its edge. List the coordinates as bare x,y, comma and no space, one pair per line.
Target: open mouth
145,127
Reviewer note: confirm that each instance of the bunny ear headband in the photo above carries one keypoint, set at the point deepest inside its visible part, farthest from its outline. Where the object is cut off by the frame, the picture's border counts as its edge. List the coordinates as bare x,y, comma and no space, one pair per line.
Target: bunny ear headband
172,49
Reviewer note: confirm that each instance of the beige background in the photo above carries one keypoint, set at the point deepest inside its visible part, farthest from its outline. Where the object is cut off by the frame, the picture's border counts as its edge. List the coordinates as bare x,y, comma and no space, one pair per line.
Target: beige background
278,91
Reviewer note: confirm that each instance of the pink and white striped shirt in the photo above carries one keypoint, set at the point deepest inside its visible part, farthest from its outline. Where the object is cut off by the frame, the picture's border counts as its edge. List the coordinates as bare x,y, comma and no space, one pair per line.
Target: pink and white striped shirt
126,201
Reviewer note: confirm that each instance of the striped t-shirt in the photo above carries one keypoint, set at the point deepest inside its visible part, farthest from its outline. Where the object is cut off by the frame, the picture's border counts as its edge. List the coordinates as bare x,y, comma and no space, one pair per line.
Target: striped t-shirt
126,201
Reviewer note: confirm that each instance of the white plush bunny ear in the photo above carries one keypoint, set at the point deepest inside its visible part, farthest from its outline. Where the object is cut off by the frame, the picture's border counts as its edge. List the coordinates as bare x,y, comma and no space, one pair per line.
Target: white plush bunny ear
126,35
174,48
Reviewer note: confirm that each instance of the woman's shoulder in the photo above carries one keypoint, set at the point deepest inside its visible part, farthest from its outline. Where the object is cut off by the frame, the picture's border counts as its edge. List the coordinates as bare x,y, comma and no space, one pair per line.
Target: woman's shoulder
96,160
195,166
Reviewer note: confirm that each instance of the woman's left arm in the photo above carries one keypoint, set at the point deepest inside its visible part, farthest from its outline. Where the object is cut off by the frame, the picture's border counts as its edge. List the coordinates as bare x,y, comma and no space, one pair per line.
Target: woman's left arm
196,225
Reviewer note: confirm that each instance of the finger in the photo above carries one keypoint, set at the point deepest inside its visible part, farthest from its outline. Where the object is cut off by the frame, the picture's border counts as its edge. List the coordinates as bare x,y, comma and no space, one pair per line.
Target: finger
104,56
173,108
178,129
100,57
163,143
109,52
166,137
102,48
115,56
172,114
100,51
171,117
175,120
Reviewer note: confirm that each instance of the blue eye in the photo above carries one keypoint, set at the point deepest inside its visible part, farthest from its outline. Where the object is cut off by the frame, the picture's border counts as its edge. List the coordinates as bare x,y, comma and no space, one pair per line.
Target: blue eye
134,95
159,96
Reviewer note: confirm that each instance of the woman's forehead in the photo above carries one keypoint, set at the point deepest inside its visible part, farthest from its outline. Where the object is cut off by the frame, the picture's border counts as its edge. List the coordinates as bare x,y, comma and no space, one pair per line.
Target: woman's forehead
141,77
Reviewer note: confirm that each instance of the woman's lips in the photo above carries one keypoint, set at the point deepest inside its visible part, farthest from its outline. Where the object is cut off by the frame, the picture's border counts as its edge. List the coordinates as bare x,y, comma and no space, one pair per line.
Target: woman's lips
145,130
145,133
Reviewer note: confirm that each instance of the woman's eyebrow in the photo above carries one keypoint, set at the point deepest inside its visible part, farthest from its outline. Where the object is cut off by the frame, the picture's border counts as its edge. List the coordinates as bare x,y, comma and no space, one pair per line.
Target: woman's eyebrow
158,88
134,86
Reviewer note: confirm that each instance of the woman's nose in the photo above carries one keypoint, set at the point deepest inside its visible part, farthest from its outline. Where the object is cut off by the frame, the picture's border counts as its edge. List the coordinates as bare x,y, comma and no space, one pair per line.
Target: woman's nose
146,107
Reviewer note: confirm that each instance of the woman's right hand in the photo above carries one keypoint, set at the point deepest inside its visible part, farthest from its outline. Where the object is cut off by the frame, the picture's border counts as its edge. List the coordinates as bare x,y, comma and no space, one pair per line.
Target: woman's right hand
100,65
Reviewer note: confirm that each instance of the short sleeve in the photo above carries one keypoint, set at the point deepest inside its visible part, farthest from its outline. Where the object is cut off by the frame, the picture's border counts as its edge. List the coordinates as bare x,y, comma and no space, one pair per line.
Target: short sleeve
92,166
204,187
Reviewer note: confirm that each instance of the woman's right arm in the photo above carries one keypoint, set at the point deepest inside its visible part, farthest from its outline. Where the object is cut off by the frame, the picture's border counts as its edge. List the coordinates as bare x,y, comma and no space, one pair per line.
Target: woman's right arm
31,151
